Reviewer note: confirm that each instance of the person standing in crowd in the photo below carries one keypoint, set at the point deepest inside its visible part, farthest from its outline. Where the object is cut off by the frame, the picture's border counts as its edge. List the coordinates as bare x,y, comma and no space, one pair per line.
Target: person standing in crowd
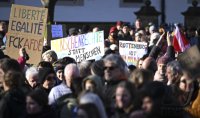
116,70
124,33
47,79
112,38
12,103
32,78
124,99
173,73
92,98
140,77
119,25
138,24
71,71
3,31
37,105
50,56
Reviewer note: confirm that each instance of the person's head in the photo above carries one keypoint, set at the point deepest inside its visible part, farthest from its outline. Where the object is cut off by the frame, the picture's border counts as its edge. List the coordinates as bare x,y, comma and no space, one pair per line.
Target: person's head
47,78
44,64
138,23
173,72
124,95
73,31
92,83
32,76
97,68
140,77
71,71
186,81
138,37
154,38
36,101
3,27
88,110
150,64
140,61
162,64
125,28
95,29
152,29
119,25
114,68
7,64
12,79
49,56
113,32
92,98
84,68
153,96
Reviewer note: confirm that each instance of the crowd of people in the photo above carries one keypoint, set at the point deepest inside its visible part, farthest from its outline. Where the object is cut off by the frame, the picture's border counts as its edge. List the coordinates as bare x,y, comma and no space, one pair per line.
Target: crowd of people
159,86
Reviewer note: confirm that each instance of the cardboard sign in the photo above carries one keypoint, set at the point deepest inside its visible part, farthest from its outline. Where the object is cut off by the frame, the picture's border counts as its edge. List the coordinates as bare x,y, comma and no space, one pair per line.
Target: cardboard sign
57,31
26,29
190,58
131,51
81,47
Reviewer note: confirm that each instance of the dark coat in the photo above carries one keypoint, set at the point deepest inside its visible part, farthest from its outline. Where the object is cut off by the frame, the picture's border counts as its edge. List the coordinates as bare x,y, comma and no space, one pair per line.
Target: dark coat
12,104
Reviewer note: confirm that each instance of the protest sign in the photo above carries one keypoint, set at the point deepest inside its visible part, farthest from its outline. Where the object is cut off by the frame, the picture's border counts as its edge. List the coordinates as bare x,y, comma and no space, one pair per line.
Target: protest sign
81,47
26,29
57,31
131,51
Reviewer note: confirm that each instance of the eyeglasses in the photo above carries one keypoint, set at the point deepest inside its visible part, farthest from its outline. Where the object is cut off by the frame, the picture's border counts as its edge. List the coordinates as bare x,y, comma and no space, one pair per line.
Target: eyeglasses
110,68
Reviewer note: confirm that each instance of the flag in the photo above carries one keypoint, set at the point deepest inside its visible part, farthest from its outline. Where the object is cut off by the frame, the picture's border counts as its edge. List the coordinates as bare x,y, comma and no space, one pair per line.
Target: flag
180,42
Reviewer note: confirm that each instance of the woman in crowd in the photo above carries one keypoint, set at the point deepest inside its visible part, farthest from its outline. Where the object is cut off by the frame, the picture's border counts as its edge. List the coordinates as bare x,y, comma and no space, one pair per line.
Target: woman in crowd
12,103
37,105
124,99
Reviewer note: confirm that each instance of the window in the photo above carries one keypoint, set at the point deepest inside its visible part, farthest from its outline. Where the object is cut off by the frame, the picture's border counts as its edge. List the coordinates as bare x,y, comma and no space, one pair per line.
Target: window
70,2
131,3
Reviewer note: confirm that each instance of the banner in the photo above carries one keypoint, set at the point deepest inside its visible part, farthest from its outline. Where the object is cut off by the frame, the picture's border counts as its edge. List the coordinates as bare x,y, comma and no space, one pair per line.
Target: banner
26,29
131,51
81,47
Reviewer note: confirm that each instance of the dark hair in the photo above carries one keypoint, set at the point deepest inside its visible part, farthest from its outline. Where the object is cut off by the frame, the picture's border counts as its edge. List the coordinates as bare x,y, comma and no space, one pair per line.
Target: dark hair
40,97
140,77
130,87
98,68
90,109
45,64
13,79
7,64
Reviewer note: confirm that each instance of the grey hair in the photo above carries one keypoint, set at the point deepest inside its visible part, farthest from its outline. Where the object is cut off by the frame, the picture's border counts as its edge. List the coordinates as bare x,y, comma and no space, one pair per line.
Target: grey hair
72,69
118,61
175,67
84,68
31,71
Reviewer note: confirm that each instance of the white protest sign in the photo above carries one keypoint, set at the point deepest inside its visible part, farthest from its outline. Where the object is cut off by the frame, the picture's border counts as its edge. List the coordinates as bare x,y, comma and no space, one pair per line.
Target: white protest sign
132,51
57,31
81,47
